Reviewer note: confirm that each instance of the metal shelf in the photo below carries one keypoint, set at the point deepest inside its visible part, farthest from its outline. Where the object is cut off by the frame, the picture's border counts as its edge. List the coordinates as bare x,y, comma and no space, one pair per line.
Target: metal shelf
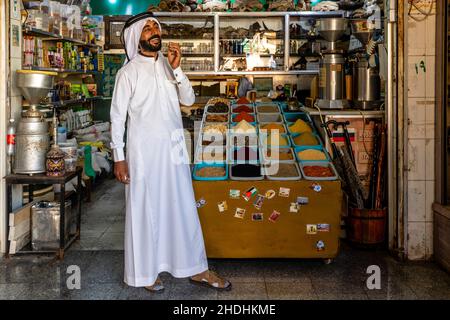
194,55
61,70
236,73
53,36
230,55
344,112
63,103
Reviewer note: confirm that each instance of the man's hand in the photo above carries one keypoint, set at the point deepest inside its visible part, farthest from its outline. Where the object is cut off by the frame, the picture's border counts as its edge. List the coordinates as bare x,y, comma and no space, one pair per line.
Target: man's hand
174,55
121,172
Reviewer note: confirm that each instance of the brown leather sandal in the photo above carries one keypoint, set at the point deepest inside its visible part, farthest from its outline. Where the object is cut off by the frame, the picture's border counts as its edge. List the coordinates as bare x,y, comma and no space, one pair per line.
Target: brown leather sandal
211,280
157,287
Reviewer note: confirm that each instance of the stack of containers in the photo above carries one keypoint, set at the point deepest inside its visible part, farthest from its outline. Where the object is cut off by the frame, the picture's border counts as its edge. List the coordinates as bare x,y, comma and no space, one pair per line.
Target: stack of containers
312,157
253,141
276,150
243,143
212,145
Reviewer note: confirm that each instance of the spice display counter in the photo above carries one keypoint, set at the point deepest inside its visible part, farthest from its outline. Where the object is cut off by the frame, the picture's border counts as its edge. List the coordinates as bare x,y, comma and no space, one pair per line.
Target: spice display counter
312,232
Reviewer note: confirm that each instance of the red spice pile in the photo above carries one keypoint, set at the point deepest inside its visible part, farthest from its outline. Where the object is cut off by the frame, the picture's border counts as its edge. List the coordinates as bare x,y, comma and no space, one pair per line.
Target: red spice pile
242,100
244,116
242,109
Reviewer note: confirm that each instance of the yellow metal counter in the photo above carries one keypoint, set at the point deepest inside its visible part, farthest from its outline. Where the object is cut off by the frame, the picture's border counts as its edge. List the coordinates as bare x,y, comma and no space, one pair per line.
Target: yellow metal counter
229,237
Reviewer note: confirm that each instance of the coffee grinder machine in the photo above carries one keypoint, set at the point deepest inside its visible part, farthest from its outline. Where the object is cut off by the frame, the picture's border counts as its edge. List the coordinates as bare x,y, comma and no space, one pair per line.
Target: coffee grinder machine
366,77
332,65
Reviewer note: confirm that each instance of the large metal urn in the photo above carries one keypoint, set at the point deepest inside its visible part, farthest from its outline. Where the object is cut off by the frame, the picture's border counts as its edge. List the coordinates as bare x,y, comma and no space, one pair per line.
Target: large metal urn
32,136
366,78
332,65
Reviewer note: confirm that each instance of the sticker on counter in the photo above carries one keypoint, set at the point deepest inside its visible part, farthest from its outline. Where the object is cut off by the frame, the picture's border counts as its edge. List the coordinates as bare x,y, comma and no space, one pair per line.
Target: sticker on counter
249,193
270,194
257,217
223,206
258,201
323,227
294,208
274,216
239,213
302,200
200,203
316,187
284,192
320,245
311,229
235,194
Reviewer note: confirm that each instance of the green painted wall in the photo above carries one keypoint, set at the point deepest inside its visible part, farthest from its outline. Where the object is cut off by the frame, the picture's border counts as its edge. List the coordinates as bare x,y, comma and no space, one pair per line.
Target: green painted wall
126,7
120,7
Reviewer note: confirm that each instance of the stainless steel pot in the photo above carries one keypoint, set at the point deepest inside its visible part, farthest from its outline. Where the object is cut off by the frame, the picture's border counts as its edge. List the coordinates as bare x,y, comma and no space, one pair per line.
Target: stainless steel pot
366,85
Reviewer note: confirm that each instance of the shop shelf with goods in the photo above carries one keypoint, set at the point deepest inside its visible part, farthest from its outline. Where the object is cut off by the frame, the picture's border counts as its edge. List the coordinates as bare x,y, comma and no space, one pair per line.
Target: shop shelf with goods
195,36
251,44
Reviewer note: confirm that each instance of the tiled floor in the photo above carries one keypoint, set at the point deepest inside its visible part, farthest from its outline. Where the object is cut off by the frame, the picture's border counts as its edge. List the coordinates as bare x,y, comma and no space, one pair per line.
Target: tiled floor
100,257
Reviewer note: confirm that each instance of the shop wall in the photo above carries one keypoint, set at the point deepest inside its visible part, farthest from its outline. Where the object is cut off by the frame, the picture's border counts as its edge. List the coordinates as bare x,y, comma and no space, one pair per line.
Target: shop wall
3,107
15,63
420,153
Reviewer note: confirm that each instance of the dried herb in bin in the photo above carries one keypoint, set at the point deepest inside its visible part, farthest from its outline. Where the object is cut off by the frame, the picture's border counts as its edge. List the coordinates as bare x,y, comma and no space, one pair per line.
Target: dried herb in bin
218,107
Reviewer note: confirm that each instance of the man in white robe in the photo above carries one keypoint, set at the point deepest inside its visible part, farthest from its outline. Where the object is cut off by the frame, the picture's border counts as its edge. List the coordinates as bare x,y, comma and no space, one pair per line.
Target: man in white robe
162,228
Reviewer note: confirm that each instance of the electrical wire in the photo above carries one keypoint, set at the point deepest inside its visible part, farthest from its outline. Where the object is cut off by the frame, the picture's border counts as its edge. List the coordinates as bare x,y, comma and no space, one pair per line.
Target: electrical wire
413,4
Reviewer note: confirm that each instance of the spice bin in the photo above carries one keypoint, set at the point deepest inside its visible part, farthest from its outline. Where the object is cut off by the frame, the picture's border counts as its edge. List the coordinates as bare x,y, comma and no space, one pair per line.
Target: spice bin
323,164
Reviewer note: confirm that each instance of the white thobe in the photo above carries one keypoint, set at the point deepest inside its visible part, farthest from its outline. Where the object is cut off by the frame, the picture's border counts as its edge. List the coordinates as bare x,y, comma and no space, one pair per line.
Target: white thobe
162,227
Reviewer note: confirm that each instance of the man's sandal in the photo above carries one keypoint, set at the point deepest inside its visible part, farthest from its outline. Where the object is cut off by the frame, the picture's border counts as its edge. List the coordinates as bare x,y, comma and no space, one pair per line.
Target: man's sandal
211,280
157,287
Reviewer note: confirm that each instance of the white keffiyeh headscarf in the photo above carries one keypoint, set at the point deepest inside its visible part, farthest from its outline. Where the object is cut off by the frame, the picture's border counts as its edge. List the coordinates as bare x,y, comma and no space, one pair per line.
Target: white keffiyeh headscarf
132,35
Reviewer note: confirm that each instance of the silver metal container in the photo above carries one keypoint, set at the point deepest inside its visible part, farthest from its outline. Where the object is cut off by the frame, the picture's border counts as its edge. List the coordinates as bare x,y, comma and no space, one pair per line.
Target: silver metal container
45,219
32,138
366,86
32,142
332,82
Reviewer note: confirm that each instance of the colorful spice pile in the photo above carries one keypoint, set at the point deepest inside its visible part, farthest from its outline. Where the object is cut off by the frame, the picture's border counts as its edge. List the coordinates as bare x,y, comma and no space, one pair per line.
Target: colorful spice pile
318,171
245,154
213,156
270,140
268,109
311,154
300,126
220,141
211,172
242,109
245,140
274,127
306,139
279,154
215,129
242,100
286,170
243,127
217,118
244,116
218,107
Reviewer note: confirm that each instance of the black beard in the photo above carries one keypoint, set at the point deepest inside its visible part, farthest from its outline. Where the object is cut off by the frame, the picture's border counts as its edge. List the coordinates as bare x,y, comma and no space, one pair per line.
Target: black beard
146,46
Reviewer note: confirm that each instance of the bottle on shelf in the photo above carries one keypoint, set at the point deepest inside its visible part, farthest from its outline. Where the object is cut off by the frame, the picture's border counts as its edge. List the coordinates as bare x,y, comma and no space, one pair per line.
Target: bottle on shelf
11,138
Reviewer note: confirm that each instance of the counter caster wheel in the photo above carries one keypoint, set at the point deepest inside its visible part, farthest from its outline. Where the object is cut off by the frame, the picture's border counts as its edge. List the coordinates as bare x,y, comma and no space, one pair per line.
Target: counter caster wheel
328,261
